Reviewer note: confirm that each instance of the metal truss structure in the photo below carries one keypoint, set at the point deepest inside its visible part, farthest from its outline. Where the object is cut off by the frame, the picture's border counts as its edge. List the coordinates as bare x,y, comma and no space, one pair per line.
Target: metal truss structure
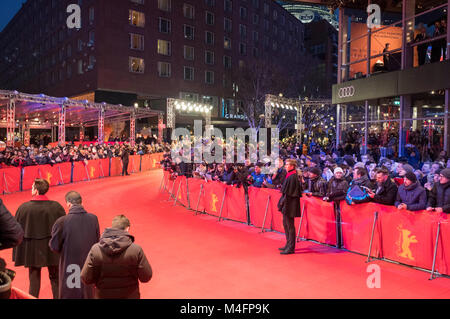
42,111
274,101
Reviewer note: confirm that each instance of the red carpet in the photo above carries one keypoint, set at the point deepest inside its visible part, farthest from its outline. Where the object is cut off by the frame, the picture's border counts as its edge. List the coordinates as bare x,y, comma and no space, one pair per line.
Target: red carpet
198,257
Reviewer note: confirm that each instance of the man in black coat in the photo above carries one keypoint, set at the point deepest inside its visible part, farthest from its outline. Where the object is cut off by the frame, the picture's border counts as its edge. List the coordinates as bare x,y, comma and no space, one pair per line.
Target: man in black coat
37,218
125,156
317,186
439,197
386,191
289,205
73,236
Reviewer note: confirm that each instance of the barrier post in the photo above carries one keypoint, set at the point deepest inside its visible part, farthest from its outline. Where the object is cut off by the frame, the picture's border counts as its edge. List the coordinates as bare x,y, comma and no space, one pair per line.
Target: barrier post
60,176
301,222
371,237
337,211
435,252
187,193
21,179
173,186
101,168
5,189
223,201
87,172
178,192
162,180
198,201
265,213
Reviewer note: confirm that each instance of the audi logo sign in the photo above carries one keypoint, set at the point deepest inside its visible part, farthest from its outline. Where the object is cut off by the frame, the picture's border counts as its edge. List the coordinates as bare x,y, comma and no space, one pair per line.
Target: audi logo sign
347,91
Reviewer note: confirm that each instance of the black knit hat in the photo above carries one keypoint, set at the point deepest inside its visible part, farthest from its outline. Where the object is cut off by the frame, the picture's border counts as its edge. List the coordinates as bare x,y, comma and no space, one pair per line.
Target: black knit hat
446,173
411,176
315,170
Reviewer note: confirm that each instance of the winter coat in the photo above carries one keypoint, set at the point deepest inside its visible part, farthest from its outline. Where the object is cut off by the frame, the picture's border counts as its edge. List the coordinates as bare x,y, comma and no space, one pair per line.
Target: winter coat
37,218
317,186
280,177
73,236
11,233
336,189
414,196
291,190
115,266
386,193
440,197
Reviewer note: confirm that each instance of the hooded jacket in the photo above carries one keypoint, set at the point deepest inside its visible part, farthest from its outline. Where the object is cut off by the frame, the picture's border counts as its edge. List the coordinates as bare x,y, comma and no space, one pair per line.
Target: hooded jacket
116,265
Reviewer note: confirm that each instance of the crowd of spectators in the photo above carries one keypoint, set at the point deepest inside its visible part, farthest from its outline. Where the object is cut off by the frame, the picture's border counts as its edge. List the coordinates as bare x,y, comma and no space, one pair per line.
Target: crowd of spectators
42,155
405,182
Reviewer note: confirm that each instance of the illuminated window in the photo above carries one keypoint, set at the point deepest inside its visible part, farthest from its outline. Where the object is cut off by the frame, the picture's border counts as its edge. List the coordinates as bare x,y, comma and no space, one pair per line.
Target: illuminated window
136,42
136,18
164,47
136,65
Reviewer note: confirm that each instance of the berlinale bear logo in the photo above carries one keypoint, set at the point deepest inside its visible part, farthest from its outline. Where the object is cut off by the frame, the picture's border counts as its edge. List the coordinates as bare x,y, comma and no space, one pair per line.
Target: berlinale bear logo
404,243
214,200
49,178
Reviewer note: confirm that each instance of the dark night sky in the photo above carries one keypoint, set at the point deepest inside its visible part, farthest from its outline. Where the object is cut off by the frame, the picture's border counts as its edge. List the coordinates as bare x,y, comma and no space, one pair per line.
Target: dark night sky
8,8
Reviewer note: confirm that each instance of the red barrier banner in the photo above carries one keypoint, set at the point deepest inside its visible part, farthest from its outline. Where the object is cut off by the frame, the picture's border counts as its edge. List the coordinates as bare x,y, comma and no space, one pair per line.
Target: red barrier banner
319,220
79,172
11,179
357,223
2,181
257,202
212,201
103,166
165,182
156,159
181,189
116,166
443,251
277,216
146,162
235,204
408,237
135,161
195,200
50,174
30,173
93,169
65,172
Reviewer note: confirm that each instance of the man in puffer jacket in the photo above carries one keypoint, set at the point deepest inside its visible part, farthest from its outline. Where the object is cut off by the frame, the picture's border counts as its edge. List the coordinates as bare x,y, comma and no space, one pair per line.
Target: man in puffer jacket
116,264
439,197
411,195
